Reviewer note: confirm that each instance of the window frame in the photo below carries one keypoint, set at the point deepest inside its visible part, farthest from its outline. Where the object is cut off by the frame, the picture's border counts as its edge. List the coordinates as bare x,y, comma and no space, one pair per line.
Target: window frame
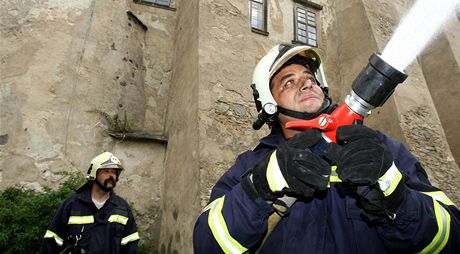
262,30
155,3
159,2
305,23
457,12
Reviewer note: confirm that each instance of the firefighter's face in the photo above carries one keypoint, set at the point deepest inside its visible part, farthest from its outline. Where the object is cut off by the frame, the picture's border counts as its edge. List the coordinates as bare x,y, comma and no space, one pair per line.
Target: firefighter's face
295,88
107,177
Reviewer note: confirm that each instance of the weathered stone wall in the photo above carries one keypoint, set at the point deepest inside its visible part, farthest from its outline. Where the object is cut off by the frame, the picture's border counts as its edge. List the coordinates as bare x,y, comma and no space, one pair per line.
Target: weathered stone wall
225,105
180,199
158,48
158,60
440,65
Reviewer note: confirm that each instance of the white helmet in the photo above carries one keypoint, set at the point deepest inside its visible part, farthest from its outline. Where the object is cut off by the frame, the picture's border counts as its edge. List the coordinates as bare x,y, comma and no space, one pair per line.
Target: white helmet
266,69
103,160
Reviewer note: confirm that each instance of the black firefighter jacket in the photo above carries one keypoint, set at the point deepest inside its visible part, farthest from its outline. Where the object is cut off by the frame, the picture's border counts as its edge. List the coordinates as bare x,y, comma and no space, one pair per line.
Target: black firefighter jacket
79,227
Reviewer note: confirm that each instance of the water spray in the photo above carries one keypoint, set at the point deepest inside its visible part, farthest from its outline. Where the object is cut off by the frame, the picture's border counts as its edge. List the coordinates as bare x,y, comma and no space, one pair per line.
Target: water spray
421,24
378,80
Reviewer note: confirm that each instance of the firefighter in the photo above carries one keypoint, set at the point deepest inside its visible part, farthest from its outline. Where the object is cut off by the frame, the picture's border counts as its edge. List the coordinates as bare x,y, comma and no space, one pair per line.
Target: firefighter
94,219
297,193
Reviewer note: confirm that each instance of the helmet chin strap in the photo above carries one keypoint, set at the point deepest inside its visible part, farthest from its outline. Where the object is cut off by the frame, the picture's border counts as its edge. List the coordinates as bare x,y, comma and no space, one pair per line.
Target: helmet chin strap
305,115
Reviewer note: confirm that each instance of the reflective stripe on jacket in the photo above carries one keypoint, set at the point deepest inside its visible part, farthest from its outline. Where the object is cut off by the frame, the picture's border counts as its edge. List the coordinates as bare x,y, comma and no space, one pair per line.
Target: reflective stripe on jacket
329,222
111,229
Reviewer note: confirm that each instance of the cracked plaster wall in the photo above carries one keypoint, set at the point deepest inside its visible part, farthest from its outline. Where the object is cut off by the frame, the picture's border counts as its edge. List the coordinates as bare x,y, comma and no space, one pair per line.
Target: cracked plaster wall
443,82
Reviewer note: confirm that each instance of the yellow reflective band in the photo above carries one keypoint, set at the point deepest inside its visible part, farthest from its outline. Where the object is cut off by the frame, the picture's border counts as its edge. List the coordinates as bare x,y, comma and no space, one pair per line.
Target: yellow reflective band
132,237
118,218
440,196
334,178
219,229
275,178
51,234
390,180
441,237
81,219
209,206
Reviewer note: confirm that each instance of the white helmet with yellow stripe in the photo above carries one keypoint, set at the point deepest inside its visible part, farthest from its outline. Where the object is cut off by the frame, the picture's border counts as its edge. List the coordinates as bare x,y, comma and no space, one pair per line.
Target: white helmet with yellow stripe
103,160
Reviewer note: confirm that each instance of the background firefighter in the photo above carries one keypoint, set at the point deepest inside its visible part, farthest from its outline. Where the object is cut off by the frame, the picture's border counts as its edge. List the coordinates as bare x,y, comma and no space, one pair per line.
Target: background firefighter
365,194
94,219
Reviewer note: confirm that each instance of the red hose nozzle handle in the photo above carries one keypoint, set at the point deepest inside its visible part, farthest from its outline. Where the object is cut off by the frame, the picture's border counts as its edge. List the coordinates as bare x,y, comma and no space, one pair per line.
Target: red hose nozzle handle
323,122
342,115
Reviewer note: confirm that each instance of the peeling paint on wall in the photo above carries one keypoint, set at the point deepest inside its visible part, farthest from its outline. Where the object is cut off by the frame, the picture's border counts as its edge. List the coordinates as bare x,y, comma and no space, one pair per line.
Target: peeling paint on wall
427,144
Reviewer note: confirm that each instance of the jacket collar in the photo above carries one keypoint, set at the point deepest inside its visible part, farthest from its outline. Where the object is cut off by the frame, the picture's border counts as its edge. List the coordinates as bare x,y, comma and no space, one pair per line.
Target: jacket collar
274,139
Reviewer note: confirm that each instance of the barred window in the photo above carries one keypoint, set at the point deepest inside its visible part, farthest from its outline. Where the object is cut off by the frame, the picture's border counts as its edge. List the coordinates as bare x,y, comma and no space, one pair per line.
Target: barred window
306,26
258,13
158,2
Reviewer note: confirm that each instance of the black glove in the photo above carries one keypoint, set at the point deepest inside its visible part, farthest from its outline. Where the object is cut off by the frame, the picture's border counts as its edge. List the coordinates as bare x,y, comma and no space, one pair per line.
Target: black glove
292,169
365,162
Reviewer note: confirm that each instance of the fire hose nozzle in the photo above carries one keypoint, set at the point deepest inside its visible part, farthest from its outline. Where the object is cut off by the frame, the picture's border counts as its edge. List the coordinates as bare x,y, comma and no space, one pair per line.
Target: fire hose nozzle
377,82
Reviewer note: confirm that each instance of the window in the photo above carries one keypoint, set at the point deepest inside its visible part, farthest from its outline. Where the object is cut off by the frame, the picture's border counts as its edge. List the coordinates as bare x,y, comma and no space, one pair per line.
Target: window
458,12
259,16
165,3
305,25
305,22
160,2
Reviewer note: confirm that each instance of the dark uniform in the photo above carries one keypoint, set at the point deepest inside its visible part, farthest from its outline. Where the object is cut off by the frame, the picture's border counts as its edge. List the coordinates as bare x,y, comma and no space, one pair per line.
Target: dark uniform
329,222
79,227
